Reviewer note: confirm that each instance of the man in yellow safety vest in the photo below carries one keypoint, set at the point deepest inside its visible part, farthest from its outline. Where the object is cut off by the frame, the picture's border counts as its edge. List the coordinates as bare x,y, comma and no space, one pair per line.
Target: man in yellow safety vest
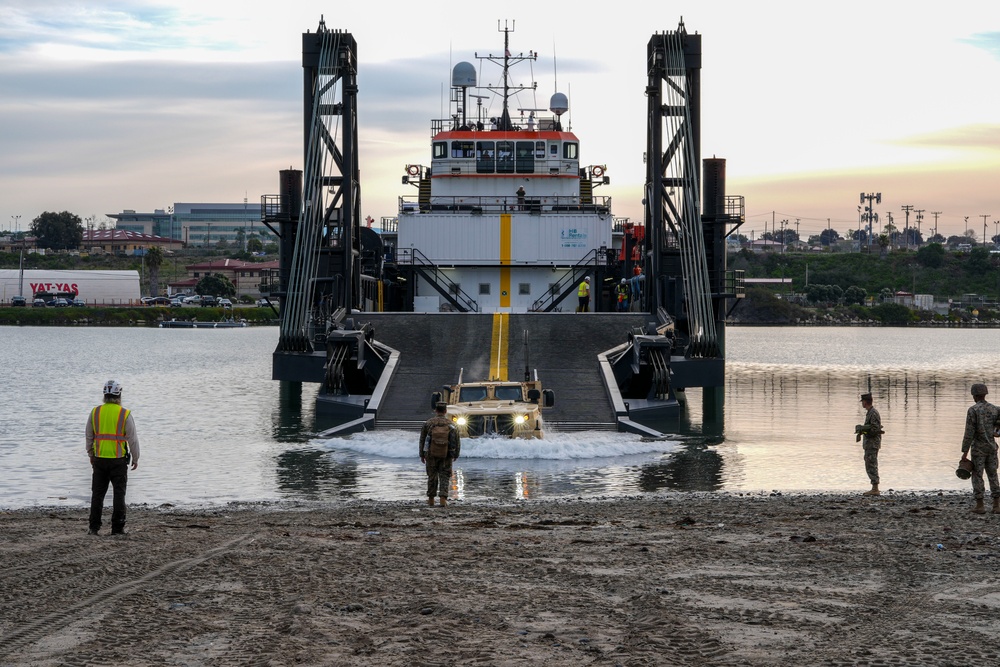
583,293
111,443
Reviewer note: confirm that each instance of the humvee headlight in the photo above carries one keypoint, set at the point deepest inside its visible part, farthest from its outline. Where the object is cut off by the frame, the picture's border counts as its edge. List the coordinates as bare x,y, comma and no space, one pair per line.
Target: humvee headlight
461,421
520,419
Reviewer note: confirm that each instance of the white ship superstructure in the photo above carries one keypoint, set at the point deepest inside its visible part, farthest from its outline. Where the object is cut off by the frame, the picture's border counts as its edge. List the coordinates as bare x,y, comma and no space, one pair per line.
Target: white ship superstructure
506,211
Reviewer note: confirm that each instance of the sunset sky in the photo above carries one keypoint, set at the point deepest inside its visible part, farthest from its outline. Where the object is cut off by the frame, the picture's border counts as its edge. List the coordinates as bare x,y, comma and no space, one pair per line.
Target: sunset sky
137,105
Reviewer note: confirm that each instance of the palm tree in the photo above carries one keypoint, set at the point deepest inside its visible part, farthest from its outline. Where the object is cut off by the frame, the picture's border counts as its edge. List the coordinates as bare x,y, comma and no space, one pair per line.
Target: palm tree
154,258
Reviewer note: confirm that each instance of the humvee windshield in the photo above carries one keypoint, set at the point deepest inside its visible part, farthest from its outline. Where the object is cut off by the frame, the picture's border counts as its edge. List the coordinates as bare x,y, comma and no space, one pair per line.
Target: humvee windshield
512,393
472,393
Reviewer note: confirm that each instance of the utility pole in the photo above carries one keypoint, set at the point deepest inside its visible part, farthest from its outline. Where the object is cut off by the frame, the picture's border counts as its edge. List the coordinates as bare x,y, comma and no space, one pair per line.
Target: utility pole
984,226
907,208
890,226
870,214
859,223
796,229
783,223
935,214
920,217
20,262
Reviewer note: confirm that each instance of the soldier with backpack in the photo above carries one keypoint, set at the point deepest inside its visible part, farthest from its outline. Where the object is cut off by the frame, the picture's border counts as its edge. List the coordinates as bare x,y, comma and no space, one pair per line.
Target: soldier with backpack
440,444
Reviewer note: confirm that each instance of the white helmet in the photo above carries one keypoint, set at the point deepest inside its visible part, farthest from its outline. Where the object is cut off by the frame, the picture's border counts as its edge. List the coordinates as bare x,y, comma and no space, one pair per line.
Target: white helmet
112,388
623,281
587,279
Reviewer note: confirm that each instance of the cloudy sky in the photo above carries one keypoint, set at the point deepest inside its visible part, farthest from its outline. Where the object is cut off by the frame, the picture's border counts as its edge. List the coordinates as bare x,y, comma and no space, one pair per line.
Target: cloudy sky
135,104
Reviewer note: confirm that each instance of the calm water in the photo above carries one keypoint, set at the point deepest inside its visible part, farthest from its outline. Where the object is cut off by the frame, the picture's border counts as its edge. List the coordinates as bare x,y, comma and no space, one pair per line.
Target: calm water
214,428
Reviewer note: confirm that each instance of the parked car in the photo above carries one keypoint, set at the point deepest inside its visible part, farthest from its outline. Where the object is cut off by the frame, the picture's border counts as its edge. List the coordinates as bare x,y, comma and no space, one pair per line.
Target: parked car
58,302
38,303
225,303
160,301
263,303
209,301
146,300
18,301
192,298
78,303
177,302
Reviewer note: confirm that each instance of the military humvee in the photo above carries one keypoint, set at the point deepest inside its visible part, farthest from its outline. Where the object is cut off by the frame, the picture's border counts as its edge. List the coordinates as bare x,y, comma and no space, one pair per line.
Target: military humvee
497,408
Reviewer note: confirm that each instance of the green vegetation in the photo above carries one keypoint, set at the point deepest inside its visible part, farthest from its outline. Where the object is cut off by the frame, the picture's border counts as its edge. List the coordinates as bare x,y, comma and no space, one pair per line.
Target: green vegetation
58,231
114,317
216,284
930,270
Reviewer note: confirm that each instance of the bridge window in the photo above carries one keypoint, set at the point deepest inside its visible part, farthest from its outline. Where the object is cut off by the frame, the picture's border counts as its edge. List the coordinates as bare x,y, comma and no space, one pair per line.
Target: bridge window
505,157
554,150
463,149
525,157
539,150
440,149
485,157
570,150
504,393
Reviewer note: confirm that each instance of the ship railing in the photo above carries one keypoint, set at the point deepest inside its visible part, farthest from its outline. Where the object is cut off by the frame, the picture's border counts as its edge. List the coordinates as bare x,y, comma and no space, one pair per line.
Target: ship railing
522,123
493,204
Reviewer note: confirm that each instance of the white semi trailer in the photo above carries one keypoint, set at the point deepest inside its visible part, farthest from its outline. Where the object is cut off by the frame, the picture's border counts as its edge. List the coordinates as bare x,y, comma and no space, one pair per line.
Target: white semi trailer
99,287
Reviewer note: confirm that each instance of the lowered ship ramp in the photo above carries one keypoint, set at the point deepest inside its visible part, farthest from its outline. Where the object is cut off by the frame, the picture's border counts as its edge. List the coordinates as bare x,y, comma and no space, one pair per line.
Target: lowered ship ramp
562,347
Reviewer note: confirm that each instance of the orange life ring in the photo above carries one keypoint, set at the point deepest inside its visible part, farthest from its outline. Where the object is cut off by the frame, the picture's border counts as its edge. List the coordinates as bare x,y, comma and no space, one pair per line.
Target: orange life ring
597,171
413,170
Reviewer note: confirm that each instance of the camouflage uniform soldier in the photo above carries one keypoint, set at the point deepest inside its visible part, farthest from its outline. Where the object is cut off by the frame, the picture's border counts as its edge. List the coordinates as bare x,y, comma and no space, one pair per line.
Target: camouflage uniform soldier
440,444
981,423
872,432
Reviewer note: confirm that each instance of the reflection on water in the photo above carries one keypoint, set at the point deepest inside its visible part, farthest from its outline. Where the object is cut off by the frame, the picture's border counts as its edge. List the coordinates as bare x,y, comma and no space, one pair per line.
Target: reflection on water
215,428
692,467
311,474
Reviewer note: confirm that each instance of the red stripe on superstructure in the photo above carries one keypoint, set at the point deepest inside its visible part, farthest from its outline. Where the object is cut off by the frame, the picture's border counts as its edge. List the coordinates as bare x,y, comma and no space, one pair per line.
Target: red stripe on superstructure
540,176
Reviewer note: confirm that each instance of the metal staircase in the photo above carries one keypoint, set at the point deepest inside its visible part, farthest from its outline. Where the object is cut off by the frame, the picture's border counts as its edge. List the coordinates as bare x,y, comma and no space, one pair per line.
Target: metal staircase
437,279
567,285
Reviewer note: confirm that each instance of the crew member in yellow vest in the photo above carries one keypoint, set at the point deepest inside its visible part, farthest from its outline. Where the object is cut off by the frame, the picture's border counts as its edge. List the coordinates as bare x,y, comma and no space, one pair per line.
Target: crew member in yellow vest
111,444
583,293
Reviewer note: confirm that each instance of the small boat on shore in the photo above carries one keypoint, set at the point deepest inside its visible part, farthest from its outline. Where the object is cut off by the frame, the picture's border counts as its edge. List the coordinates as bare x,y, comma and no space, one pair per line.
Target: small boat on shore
191,324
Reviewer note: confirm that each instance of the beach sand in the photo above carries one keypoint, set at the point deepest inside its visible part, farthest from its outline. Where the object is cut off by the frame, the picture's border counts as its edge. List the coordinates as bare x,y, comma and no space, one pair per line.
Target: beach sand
675,579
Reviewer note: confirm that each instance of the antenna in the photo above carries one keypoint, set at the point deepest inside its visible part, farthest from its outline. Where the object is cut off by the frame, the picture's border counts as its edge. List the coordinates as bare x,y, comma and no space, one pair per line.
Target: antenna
555,69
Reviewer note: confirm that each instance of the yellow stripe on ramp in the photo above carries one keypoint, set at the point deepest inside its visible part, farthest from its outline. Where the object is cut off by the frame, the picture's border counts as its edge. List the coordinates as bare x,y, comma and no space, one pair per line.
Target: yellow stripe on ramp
505,255
498,347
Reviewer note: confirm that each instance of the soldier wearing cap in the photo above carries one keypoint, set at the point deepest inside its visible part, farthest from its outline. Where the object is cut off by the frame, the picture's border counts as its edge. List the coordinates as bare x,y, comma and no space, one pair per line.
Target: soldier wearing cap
981,424
440,444
871,433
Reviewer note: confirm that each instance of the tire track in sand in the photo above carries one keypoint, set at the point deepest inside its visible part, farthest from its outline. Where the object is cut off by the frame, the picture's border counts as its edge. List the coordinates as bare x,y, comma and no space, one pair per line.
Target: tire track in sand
30,633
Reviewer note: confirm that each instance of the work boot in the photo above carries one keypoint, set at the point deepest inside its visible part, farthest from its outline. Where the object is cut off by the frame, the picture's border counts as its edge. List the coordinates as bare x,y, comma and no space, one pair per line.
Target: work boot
874,491
430,501
996,505
980,508
444,501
